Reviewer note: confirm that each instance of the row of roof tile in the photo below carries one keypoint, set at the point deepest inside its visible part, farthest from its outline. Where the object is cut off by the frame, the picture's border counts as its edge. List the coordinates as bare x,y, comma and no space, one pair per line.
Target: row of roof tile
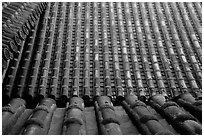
159,116
131,47
102,68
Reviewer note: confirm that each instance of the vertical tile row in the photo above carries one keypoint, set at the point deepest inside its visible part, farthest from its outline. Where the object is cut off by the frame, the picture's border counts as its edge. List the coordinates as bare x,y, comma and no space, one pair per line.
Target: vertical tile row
86,69
160,46
123,44
187,46
186,43
35,68
91,55
131,68
117,75
97,89
100,26
72,51
48,47
189,14
76,74
193,38
139,67
196,16
120,56
52,71
106,64
189,29
61,88
111,67
154,56
134,56
81,74
142,49
126,24
53,88
186,65
67,55
169,34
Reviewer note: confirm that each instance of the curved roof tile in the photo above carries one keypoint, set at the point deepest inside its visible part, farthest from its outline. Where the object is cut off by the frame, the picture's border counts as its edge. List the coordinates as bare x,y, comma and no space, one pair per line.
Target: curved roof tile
102,68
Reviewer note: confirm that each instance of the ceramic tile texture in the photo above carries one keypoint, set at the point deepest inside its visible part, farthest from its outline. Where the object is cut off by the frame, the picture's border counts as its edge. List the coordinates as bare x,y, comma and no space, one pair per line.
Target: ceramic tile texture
101,68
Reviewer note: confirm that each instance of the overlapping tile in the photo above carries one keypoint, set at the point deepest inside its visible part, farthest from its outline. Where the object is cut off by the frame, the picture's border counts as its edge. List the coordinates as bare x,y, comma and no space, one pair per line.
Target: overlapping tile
121,64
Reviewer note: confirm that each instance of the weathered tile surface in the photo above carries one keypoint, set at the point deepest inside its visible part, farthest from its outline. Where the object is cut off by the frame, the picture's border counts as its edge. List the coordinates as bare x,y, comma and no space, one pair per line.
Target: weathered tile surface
102,68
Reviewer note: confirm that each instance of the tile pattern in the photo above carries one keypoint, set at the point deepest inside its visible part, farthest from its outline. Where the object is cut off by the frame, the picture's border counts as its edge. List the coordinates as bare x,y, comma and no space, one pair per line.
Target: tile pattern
157,117
102,68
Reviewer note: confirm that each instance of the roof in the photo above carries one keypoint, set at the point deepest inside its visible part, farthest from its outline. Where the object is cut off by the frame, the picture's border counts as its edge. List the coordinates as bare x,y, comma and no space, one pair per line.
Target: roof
131,117
102,68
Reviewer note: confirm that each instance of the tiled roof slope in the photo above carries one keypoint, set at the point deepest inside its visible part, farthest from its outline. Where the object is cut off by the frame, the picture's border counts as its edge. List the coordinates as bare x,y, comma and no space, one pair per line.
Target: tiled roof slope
102,68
